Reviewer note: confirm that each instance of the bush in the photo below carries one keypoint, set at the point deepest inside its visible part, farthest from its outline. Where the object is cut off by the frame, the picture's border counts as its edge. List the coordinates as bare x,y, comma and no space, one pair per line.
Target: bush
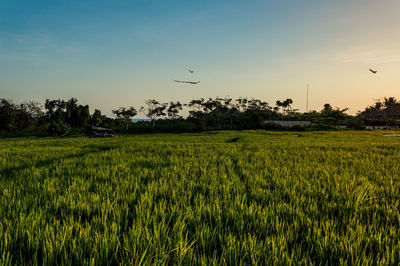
58,128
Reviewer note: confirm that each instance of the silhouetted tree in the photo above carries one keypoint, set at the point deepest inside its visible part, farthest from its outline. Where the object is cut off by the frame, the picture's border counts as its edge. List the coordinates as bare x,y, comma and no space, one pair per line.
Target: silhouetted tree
67,111
33,109
72,112
154,110
279,104
241,104
327,108
96,118
287,104
83,115
382,112
212,113
58,128
55,110
76,115
196,113
126,114
14,117
390,101
329,115
7,115
173,110
228,109
257,112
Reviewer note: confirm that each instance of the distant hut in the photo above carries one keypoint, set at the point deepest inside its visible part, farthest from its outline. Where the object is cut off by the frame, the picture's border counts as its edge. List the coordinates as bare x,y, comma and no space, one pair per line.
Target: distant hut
102,132
289,123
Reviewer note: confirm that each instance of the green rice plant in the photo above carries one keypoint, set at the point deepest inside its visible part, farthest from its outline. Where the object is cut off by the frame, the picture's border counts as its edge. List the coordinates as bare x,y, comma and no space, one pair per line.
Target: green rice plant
250,197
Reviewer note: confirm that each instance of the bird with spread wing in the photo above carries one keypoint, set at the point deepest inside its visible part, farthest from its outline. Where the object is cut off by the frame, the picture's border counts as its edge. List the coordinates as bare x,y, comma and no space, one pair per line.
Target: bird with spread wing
373,71
189,82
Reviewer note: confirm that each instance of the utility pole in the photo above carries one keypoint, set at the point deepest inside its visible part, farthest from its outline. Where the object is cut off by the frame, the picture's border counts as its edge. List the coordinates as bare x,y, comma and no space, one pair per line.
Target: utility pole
307,100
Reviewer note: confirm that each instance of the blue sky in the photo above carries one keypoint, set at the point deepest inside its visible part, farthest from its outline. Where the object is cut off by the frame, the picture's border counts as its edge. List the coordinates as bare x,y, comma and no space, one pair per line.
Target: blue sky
120,53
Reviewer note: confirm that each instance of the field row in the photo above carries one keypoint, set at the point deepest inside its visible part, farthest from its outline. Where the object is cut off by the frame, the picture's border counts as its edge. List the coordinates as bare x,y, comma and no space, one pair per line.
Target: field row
218,197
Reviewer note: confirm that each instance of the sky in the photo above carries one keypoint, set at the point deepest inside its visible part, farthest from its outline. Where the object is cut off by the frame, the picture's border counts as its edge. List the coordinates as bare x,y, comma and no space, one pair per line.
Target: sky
111,54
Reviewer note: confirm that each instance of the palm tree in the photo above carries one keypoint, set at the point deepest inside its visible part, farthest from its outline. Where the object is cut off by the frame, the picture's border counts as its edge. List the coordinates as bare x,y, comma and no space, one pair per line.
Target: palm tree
279,104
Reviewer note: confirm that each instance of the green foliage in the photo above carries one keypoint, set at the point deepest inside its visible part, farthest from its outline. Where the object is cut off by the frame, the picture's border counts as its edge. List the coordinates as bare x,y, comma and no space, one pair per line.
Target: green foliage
174,109
203,115
385,112
155,109
126,114
329,116
226,113
58,128
96,119
252,197
67,111
19,117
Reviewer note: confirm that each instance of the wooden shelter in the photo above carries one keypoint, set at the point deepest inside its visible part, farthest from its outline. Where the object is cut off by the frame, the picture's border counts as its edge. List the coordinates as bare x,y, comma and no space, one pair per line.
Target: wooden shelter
102,132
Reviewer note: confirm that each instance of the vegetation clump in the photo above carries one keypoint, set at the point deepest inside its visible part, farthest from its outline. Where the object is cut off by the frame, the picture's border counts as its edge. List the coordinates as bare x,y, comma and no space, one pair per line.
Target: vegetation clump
58,128
201,115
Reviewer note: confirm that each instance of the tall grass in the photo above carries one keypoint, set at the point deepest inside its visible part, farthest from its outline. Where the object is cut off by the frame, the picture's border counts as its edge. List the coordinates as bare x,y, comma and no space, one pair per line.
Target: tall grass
250,197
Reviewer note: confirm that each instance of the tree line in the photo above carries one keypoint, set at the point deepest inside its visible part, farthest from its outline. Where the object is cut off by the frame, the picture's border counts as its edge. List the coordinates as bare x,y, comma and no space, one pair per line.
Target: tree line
59,117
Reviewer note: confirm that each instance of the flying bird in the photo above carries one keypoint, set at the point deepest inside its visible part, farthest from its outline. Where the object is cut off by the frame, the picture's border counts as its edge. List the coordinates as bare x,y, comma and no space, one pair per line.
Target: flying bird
190,82
373,71
191,71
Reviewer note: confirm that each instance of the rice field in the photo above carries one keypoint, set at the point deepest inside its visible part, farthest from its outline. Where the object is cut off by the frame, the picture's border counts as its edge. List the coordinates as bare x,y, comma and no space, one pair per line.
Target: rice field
252,197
